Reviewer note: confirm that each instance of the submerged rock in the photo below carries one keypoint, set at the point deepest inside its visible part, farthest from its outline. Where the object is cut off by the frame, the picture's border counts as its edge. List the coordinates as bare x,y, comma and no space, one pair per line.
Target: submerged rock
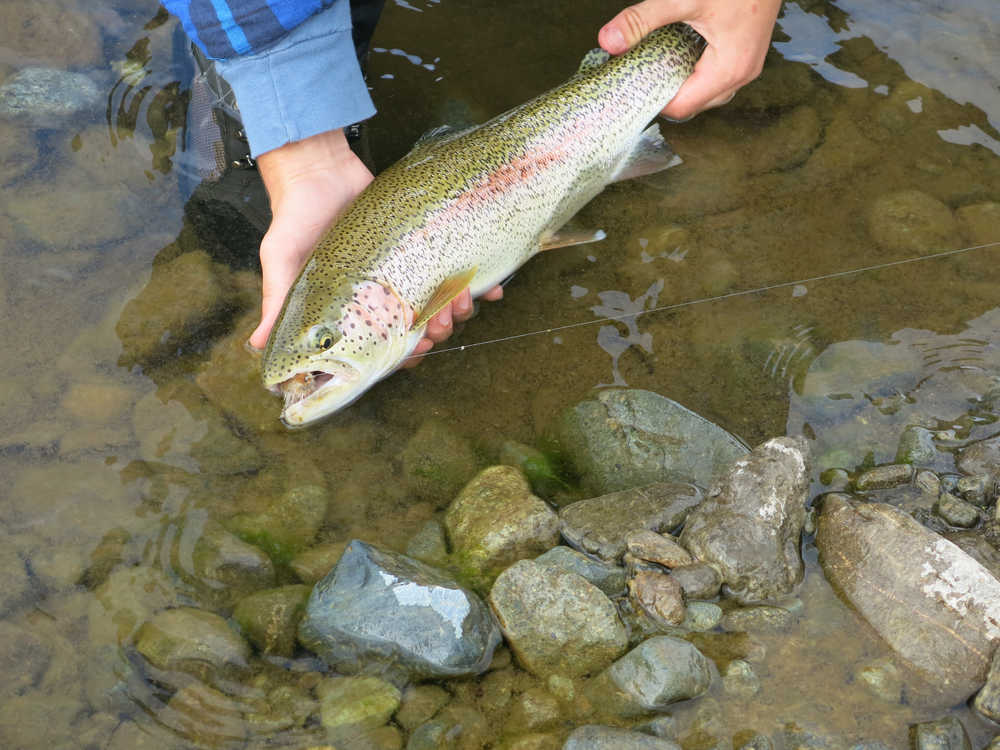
437,462
384,612
595,737
944,734
607,577
600,525
495,521
987,701
659,671
912,221
47,97
191,640
982,457
629,438
555,621
270,618
943,616
749,526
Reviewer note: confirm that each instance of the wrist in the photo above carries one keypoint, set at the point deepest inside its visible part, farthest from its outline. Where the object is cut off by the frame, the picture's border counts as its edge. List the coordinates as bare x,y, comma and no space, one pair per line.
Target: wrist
281,167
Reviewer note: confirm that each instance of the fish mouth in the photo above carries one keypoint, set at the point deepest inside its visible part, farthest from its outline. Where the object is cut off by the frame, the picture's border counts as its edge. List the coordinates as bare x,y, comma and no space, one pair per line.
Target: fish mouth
313,394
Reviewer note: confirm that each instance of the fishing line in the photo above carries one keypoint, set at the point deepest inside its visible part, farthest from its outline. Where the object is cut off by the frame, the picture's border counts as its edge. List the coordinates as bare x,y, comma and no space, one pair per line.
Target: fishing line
728,295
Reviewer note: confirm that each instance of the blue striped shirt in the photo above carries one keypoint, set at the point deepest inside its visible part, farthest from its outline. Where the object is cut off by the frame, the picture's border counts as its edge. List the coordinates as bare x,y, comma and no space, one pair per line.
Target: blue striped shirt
229,28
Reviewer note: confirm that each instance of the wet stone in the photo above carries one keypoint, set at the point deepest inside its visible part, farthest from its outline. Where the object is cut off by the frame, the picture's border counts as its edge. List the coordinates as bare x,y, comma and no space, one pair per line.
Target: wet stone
927,481
191,640
437,462
535,741
979,222
607,577
629,438
658,548
534,710
356,703
63,31
495,521
757,742
316,562
982,457
740,680
659,596
916,446
594,737
701,616
288,526
883,679
943,614
987,700
466,725
659,671
555,621
224,566
600,525
956,511
698,580
980,489
428,545
536,467
419,703
760,619
24,657
382,611
787,143
884,477
18,151
204,716
913,222
944,734
47,97
750,523
270,618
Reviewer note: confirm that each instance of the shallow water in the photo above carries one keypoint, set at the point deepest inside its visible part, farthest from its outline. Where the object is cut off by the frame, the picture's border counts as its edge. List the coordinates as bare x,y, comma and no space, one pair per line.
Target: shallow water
112,458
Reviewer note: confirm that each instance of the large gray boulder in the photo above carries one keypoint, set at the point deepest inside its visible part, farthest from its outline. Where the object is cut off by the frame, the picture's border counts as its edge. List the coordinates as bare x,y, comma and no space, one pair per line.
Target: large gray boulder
631,437
379,611
555,621
935,606
749,525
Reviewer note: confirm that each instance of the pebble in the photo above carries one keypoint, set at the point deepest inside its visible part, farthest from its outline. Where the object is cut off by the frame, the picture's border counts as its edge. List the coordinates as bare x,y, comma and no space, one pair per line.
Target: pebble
47,97
883,679
659,548
956,511
944,734
593,737
189,639
760,619
659,595
419,703
910,221
987,700
980,489
884,477
740,680
698,580
607,577
357,703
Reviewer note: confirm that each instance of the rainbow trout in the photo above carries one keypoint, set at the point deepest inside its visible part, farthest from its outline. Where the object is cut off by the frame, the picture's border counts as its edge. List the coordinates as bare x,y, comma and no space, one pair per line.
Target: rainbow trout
466,208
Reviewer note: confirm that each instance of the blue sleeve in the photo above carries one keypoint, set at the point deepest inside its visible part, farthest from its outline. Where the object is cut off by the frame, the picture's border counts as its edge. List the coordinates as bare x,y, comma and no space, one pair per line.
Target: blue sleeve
307,83
227,28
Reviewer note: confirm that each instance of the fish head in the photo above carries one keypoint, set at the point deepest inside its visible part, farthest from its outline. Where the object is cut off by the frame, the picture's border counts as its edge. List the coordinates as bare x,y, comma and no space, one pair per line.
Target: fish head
332,341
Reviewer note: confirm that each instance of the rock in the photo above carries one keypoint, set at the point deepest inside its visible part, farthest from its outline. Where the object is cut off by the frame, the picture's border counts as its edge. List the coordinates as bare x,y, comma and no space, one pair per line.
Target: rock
956,511
351,705
535,741
204,716
658,548
944,734
284,707
38,720
987,700
382,611
910,221
15,584
316,562
495,521
787,143
24,657
979,222
608,578
884,680
701,616
18,151
659,671
555,621
185,300
191,640
437,462
429,545
288,526
270,618
942,616
600,525
47,97
465,725
698,580
534,710
981,457
749,525
629,438
419,703
658,595
739,680
979,489
223,567
884,477
760,619
916,446
536,467
594,737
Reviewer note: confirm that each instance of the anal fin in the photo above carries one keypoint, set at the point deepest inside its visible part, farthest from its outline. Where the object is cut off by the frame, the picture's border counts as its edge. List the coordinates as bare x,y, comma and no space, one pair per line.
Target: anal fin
650,155
445,293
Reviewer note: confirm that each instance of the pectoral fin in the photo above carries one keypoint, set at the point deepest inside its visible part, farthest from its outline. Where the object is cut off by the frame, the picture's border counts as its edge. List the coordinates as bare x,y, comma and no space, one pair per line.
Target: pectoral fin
449,289
571,236
651,154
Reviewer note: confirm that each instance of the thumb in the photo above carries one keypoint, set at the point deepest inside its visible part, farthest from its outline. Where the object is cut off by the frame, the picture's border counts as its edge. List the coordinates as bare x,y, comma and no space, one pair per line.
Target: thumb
625,30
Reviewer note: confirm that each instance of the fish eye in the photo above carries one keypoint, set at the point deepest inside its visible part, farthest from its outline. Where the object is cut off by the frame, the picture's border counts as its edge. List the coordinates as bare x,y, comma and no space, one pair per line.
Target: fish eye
322,337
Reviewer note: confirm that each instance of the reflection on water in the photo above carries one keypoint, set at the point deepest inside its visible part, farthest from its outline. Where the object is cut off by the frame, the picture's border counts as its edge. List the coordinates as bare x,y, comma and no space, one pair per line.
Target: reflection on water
144,467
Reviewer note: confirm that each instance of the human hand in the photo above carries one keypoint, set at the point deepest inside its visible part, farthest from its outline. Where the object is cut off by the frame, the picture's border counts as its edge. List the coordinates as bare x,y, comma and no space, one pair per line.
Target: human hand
310,182
738,33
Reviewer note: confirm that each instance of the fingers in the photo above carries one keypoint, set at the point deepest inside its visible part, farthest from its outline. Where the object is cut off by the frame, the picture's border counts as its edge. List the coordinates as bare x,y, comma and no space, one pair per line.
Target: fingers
625,30
279,272
441,325
423,346
495,294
